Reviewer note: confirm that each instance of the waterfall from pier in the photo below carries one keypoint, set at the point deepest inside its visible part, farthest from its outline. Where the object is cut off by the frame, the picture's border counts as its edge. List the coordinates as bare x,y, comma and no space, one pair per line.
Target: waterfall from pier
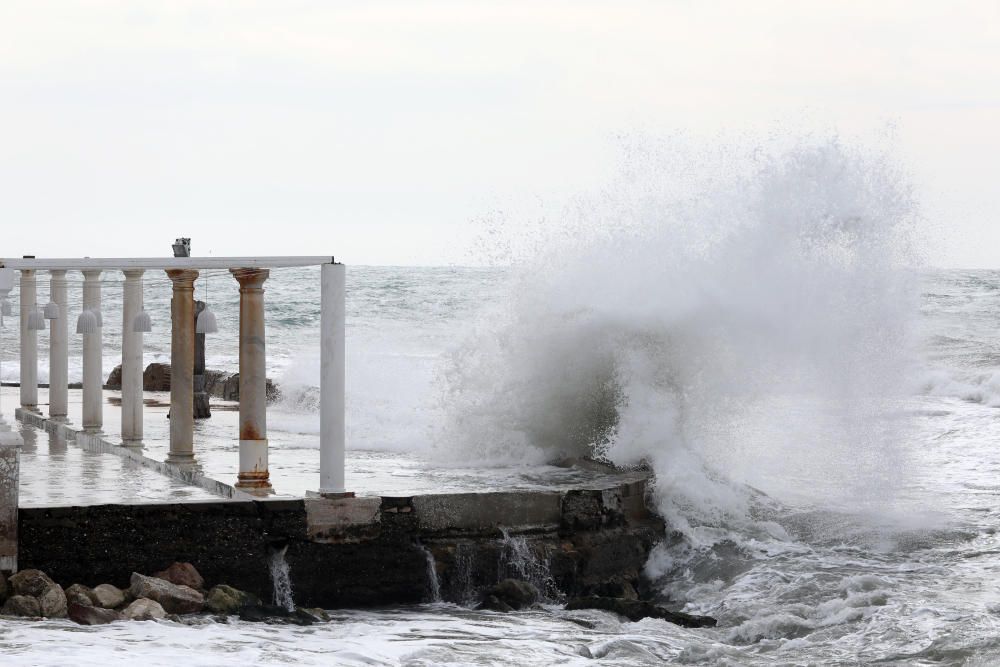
281,579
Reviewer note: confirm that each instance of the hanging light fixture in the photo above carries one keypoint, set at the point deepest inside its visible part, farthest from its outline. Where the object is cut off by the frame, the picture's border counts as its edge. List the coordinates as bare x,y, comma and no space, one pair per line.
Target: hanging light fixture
87,322
142,322
6,308
206,323
36,320
100,318
51,310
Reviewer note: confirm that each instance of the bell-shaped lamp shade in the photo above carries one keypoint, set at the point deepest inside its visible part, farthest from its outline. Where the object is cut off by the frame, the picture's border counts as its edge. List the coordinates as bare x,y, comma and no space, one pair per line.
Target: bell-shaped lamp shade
87,322
142,322
206,323
36,320
6,309
100,318
51,310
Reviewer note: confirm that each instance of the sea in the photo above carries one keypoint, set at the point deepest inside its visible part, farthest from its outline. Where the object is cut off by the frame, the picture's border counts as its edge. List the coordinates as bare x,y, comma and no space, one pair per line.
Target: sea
821,410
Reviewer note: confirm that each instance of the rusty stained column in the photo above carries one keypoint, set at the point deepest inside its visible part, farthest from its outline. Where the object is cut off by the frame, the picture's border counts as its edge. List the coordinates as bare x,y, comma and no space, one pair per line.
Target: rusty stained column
182,367
253,475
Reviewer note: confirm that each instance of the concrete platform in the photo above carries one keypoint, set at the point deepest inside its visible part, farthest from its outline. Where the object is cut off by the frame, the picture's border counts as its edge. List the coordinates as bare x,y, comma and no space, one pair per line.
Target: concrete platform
294,461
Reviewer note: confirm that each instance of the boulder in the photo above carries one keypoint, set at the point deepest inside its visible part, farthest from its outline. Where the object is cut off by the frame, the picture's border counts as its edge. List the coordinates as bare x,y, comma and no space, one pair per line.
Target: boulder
80,594
613,589
108,596
143,609
53,602
91,615
635,610
21,605
269,613
156,377
114,380
182,574
30,582
224,599
4,588
173,598
509,595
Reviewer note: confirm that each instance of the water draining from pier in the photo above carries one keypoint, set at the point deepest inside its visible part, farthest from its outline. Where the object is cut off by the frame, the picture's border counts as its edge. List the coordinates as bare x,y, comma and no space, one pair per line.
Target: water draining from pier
281,579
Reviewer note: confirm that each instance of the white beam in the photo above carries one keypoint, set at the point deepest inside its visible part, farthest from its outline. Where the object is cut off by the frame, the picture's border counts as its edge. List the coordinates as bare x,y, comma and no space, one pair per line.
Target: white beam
164,263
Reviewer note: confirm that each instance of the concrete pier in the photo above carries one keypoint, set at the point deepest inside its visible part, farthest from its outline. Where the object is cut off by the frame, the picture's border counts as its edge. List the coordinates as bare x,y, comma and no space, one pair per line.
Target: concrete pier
132,362
59,348
93,373
182,366
253,474
29,342
10,444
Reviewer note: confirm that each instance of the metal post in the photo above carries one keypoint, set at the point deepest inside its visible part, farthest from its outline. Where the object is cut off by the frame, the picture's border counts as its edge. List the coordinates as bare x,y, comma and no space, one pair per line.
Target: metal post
182,366
93,373
332,380
29,343
58,349
132,359
253,474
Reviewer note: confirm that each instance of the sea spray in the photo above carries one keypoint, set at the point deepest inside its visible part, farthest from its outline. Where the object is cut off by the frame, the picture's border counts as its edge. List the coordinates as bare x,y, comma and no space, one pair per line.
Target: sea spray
281,579
432,577
518,560
729,316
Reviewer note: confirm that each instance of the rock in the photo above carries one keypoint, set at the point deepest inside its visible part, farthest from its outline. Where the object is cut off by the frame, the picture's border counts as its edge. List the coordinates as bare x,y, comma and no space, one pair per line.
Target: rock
156,377
108,596
91,615
269,613
4,588
144,609
30,582
613,589
174,599
81,595
182,574
635,610
53,602
224,599
509,595
114,380
21,605
315,613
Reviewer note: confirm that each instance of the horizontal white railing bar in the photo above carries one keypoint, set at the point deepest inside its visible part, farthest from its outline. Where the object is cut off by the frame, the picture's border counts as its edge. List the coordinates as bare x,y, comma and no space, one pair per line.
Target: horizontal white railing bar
111,264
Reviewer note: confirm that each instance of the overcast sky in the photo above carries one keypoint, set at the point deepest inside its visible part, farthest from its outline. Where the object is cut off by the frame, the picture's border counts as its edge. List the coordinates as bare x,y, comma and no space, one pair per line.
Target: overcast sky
380,131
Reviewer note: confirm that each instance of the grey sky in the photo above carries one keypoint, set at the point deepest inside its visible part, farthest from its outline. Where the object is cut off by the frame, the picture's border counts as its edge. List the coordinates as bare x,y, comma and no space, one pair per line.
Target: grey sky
379,131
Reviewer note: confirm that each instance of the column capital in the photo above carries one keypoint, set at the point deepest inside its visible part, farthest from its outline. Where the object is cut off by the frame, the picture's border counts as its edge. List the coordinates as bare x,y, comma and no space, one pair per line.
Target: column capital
133,273
250,279
57,273
182,277
91,274
27,274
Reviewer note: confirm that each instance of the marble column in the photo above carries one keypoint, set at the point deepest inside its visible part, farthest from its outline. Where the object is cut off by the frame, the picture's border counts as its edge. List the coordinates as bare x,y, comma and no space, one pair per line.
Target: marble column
29,342
59,349
253,474
93,362
132,362
182,366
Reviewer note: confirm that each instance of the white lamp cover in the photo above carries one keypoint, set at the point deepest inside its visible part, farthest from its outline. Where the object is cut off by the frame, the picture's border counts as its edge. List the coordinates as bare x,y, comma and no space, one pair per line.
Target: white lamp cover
206,323
100,318
142,322
36,320
87,322
52,310
6,308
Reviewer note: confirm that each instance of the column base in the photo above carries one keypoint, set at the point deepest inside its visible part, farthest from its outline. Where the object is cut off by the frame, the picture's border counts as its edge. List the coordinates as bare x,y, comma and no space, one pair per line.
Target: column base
135,444
330,495
93,430
61,419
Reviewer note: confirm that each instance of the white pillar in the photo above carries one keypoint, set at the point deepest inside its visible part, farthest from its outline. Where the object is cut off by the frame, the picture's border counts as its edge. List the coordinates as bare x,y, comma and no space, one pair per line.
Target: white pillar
132,359
29,343
332,369
58,349
93,373
253,474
